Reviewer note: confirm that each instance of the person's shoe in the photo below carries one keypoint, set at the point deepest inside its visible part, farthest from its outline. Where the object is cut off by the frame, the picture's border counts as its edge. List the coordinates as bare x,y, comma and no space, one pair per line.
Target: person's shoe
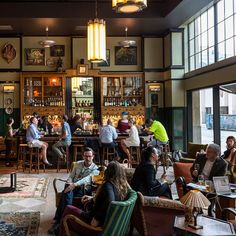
53,228
47,163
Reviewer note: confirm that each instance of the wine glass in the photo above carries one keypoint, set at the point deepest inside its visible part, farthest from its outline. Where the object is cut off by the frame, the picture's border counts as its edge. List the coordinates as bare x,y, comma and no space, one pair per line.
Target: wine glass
201,179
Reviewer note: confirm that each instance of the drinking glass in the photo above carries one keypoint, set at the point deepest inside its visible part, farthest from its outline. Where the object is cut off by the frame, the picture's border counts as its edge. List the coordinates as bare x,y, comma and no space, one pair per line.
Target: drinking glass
201,179
209,185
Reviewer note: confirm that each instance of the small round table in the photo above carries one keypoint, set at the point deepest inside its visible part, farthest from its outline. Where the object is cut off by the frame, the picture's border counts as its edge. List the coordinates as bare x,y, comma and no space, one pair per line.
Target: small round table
12,187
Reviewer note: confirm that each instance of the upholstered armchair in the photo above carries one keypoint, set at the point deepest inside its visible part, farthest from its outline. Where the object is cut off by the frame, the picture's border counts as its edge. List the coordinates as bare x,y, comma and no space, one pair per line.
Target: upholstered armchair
116,221
226,213
182,177
192,149
155,216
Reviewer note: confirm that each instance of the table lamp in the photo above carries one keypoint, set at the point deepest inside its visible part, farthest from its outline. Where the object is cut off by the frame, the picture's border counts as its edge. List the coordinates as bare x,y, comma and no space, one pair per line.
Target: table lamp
195,200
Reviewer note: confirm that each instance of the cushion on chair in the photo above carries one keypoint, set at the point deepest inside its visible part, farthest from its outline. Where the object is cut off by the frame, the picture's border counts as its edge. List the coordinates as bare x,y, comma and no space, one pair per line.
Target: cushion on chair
193,148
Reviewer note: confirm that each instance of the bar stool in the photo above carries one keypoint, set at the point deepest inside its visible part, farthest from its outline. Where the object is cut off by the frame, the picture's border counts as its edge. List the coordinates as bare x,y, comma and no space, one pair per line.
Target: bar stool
34,159
66,160
77,150
108,153
22,151
135,155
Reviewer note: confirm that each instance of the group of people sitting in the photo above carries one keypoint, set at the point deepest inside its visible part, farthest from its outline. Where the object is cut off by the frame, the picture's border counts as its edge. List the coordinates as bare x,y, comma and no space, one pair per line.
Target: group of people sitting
115,186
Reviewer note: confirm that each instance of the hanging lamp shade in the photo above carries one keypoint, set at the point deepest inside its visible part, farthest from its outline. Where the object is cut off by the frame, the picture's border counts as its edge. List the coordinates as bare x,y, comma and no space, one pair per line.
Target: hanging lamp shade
47,43
96,41
128,6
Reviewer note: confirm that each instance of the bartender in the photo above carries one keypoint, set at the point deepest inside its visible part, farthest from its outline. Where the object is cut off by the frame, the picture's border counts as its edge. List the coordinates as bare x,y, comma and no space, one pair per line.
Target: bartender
123,123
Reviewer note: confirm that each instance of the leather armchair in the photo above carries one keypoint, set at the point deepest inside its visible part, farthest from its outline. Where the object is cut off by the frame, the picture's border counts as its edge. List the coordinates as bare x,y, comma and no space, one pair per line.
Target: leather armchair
155,216
192,149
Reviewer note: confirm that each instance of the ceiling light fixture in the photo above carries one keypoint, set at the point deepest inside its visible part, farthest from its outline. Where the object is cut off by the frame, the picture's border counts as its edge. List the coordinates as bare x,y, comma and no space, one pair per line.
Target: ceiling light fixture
128,6
96,39
127,42
47,43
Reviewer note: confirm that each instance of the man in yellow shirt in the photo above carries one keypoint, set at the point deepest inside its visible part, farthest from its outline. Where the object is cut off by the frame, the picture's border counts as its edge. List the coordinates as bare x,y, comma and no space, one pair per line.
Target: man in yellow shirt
158,130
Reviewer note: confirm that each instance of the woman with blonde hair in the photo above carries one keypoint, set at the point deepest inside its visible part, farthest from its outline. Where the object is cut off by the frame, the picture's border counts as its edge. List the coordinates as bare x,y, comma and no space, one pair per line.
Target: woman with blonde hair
114,188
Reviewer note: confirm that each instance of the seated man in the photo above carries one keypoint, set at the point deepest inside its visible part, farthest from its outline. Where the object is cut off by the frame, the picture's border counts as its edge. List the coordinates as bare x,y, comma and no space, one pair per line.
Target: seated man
79,177
210,164
108,135
229,153
32,138
65,139
144,178
158,130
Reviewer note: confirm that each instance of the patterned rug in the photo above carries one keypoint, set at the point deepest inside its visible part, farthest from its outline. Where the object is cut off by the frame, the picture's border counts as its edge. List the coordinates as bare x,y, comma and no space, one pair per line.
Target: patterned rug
30,187
19,224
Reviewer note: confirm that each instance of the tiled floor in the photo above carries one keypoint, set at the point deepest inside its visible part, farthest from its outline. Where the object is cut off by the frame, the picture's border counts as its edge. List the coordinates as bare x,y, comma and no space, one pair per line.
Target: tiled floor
46,206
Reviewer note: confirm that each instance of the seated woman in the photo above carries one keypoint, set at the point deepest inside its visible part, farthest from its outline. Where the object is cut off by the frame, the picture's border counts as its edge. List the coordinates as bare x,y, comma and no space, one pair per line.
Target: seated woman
144,178
132,140
123,123
229,153
114,188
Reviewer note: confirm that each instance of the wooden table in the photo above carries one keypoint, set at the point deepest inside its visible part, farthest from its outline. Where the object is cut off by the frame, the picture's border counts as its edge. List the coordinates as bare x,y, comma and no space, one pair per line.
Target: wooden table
210,225
12,187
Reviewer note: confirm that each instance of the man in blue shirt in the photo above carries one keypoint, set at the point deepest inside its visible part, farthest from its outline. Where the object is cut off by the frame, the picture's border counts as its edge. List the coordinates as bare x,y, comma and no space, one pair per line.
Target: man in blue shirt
65,138
108,135
32,138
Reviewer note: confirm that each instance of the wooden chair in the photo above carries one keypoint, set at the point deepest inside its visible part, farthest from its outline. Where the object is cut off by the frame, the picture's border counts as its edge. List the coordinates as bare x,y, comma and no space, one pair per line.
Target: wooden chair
108,153
66,160
78,149
33,160
116,221
135,155
155,216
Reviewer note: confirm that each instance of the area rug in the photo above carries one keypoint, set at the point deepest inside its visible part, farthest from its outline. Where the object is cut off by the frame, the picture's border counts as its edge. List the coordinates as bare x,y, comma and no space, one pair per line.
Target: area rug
26,187
19,223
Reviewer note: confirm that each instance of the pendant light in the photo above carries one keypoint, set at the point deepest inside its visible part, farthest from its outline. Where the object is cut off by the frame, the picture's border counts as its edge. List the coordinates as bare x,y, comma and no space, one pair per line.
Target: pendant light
47,43
127,42
96,39
128,6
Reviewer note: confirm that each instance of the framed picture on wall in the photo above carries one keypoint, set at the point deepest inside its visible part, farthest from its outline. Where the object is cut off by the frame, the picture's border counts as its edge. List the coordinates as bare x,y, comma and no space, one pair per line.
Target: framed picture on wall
125,56
57,51
35,56
82,69
107,62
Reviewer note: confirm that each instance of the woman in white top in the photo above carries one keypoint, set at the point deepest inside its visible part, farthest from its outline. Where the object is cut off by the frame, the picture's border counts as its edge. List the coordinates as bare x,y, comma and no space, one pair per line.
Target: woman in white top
132,140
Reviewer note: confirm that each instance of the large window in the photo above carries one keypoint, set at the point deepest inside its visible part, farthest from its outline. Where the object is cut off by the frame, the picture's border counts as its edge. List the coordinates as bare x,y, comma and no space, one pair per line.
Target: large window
202,40
212,35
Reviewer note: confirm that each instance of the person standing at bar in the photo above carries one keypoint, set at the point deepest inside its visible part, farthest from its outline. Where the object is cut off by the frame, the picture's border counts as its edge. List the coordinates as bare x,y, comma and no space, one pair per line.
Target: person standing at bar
8,140
123,123
64,140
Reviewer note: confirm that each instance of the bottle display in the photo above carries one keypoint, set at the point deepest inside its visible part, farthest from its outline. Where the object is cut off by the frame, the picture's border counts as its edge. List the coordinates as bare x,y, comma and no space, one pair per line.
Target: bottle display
82,97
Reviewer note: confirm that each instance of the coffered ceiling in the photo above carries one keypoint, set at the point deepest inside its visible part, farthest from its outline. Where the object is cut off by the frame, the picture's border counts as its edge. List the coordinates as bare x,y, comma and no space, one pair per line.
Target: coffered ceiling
70,17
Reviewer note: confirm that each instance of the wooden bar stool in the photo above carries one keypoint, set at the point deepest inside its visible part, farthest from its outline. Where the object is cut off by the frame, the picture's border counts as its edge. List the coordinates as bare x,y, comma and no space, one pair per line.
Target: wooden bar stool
108,153
22,151
77,150
34,159
135,155
66,160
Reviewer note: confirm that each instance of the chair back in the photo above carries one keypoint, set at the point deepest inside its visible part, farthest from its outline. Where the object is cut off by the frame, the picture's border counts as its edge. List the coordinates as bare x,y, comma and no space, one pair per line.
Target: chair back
118,216
155,216
182,170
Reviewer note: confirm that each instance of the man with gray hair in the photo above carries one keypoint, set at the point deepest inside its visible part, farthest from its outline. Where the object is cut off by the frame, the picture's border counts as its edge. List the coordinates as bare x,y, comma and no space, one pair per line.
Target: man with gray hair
209,164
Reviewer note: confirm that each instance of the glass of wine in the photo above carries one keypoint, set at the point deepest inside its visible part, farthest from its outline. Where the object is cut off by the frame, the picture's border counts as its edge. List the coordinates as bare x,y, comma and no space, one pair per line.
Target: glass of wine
201,179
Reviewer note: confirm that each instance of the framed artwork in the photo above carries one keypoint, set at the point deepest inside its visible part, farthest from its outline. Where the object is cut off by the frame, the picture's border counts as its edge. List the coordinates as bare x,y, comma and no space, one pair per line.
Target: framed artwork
57,51
125,56
107,62
35,56
82,69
